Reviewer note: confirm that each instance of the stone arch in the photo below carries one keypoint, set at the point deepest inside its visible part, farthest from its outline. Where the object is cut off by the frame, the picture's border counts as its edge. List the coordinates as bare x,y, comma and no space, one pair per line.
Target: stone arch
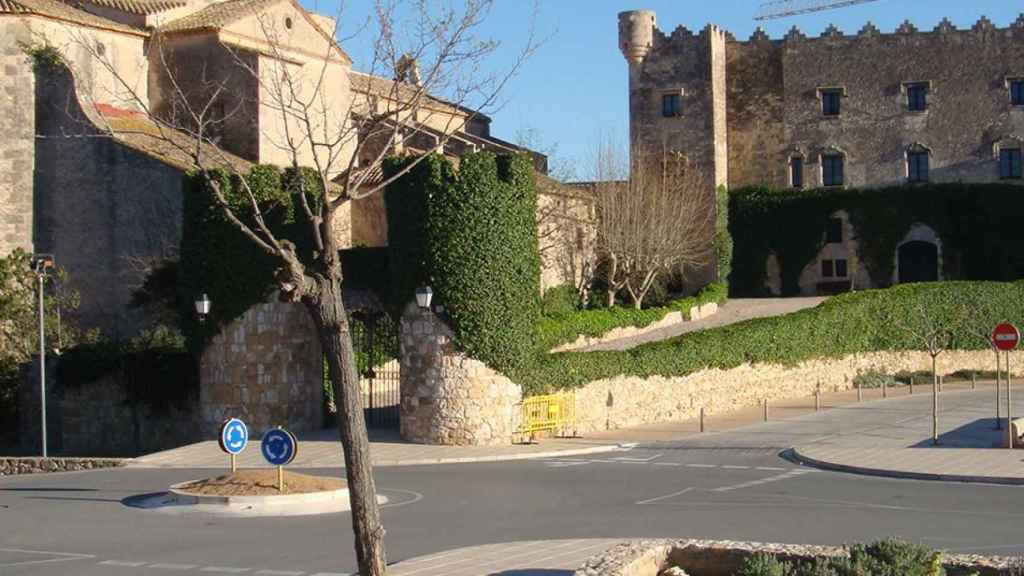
918,256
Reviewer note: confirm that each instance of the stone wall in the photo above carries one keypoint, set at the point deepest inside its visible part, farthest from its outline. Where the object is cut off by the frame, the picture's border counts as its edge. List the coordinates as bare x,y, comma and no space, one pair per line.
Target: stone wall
17,124
265,368
626,401
725,558
448,398
15,466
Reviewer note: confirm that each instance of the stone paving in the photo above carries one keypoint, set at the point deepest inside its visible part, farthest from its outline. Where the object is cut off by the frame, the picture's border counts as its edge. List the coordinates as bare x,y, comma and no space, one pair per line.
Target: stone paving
731,312
323,450
535,558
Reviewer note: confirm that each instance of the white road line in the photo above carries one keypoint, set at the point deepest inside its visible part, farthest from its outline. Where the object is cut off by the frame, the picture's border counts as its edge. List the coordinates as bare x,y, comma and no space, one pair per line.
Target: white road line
776,478
629,459
665,497
178,567
121,563
66,557
224,569
667,464
701,466
732,467
772,468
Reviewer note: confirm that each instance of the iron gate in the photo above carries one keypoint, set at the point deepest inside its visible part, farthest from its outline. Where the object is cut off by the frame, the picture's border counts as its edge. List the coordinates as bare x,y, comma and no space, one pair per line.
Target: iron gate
375,340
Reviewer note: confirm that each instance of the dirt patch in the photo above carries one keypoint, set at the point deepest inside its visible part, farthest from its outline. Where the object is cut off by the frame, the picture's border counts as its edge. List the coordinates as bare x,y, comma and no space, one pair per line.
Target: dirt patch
261,482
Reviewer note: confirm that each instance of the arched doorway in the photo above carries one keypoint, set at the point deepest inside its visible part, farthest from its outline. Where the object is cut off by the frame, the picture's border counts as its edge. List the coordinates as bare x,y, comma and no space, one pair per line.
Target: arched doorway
918,262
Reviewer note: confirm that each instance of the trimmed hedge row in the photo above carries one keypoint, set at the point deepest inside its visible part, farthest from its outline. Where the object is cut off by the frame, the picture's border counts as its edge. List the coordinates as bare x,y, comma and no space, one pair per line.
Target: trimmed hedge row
561,327
866,321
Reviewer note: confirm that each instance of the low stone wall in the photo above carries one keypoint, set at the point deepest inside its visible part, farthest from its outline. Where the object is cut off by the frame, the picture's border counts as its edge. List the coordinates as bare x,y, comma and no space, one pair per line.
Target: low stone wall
447,397
670,319
725,558
626,401
15,466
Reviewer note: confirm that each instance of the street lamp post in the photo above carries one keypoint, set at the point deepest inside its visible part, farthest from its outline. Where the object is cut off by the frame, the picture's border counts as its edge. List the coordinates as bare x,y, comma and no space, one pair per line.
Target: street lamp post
40,264
424,296
203,305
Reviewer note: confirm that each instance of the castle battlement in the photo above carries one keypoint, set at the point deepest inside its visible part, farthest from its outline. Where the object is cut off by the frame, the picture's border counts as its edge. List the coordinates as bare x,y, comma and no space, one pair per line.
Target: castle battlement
639,33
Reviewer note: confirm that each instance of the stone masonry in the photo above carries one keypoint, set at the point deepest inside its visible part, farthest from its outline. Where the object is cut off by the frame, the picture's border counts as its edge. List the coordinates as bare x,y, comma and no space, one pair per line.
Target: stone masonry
17,124
447,397
265,368
625,401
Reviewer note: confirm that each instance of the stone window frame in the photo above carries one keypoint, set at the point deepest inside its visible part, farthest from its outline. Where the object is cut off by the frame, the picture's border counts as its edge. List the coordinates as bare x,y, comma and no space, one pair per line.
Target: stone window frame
679,93
1007,143
822,90
828,152
929,90
1009,81
797,157
913,149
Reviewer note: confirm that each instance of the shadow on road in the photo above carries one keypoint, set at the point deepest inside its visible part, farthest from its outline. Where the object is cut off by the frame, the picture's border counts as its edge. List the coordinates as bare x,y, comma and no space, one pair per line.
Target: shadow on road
980,433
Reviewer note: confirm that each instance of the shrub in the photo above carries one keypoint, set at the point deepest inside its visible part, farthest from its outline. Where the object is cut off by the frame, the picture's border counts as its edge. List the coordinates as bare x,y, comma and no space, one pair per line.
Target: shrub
762,564
846,324
883,558
559,301
875,379
553,331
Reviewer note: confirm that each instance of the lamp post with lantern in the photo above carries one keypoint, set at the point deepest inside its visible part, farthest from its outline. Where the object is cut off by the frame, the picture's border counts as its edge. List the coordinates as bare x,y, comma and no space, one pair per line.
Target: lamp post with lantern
424,296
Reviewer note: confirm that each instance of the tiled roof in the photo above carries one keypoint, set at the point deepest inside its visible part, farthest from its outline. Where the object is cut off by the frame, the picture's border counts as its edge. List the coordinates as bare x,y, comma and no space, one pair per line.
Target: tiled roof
380,86
218,15
144,7
61,11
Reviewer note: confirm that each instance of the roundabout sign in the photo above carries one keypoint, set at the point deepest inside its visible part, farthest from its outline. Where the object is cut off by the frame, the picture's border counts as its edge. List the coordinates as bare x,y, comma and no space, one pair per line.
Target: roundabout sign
234,436
279,447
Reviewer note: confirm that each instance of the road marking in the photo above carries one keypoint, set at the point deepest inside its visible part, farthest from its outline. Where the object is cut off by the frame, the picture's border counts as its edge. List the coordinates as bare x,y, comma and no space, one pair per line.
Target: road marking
224,569
668,464
178,567
121,563
776,478
629,459
733,467
772,468
701,466
66,557
666,497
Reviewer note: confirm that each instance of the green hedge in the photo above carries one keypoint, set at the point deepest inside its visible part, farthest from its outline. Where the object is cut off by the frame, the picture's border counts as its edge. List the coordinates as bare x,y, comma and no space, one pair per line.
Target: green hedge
883,558
857,322
554,330
471,234
974,221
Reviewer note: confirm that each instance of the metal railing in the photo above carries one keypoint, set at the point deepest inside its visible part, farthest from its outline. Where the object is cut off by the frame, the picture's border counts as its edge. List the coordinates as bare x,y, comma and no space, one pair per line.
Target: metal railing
554,413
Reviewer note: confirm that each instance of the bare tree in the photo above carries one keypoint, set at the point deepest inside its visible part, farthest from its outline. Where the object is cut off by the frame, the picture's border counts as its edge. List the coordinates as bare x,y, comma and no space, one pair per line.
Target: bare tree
425,49
658,221
934,334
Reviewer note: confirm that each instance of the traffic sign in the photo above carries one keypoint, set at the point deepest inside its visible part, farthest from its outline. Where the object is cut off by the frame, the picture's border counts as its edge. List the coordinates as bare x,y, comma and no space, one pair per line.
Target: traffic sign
1005,337
233,436
279,446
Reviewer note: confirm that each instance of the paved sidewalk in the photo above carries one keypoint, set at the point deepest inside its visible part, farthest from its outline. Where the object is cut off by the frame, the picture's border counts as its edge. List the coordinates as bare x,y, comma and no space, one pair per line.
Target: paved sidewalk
323,450
731,312
536,558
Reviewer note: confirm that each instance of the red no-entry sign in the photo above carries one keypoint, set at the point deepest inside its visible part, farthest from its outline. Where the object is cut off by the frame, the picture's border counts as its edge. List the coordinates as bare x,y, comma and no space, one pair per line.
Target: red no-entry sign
1005,336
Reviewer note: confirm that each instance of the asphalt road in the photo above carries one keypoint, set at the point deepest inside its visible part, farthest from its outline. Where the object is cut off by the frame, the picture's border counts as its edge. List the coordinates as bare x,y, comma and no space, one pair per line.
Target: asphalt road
724,486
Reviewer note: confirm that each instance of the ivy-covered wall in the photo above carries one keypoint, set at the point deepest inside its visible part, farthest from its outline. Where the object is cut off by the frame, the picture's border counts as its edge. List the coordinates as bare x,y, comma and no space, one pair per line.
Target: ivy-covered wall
471,235
976,224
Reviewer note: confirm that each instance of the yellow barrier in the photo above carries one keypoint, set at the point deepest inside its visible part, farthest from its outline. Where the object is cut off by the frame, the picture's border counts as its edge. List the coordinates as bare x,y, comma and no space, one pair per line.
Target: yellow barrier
554,412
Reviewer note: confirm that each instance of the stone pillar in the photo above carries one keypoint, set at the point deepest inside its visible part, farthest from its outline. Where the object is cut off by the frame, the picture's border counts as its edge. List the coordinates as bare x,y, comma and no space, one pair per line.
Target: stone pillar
17,146
265,368
447,397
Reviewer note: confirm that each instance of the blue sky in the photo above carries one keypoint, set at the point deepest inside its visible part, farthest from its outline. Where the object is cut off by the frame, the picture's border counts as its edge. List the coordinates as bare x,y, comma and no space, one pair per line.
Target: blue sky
574,90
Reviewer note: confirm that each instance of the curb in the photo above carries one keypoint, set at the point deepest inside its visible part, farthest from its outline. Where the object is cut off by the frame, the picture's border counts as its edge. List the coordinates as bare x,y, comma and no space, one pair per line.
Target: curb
794,455
188,499
136,464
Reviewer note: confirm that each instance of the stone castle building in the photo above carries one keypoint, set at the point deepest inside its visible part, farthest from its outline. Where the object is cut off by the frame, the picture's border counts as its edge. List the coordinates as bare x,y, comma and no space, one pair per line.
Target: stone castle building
869,109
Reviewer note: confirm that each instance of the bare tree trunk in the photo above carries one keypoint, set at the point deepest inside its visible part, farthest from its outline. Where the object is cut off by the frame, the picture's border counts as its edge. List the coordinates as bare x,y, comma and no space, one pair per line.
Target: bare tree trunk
935,404
328,313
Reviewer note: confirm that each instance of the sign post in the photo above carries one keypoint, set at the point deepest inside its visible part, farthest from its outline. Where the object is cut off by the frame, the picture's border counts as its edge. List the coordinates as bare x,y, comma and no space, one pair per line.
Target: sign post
279,448
1006,337
233,438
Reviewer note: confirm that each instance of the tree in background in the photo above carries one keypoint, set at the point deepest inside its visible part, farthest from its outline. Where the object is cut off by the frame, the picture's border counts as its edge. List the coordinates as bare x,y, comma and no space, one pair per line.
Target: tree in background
440,54
658,221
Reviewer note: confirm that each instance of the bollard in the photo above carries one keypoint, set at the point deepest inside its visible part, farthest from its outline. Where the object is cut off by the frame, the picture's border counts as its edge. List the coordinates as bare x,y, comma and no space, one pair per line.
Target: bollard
974,381
701,418
765,409
817,398
858,391
941,378
885,390
911,385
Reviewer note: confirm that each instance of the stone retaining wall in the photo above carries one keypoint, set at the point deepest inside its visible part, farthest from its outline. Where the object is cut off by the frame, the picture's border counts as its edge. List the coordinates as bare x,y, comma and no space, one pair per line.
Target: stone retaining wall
724,558
625,401
670,319
447,397
14,466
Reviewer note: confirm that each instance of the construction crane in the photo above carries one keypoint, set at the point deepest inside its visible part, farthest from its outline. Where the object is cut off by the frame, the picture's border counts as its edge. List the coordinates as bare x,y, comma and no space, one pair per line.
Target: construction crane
785,8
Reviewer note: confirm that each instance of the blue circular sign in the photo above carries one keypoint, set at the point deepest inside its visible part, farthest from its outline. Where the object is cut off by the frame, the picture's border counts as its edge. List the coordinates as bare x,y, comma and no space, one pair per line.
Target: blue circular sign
233,436
279,446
